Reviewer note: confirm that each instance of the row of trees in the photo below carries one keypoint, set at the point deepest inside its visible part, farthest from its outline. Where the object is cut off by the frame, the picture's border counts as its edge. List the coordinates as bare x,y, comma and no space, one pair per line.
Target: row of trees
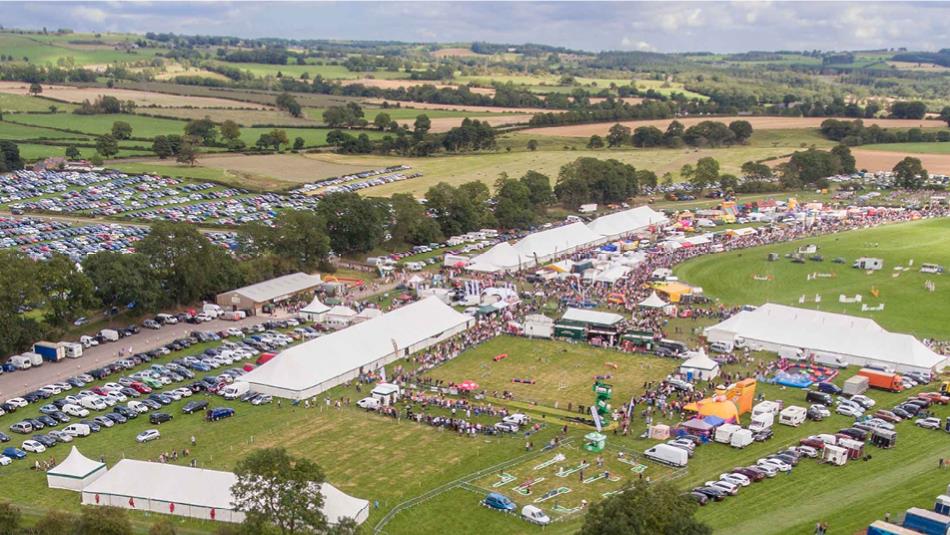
853,133
702,134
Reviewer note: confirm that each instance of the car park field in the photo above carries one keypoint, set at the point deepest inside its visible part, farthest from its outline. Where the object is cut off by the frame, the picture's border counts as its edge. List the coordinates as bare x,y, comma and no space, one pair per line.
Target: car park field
909,306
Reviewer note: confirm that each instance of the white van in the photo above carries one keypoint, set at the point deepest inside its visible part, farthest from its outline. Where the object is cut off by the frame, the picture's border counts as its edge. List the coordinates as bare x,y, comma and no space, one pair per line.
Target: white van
535,515
35,358
77,430
166,319
386,393
21,362
669,455
414,266
73,350
94,403
110,334
236,390
212,310
75,410
370,404
790,353
88,341
721,347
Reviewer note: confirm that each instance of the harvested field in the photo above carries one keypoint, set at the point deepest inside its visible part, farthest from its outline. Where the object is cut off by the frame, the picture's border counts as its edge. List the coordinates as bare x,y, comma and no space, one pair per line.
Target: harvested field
462,107
241,117
240,95
142,98
444,124
758,123
628,100
878,160
395,84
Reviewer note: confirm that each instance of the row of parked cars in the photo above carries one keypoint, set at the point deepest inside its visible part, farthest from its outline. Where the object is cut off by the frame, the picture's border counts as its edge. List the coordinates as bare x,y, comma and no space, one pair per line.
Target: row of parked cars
730,483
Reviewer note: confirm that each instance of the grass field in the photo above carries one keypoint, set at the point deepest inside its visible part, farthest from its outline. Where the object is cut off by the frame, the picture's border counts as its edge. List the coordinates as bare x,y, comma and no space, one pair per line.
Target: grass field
13,131
728,276
170,168
19,103
241,117
36,151
141,98
97,125
42,49
911,148
563,373
331,72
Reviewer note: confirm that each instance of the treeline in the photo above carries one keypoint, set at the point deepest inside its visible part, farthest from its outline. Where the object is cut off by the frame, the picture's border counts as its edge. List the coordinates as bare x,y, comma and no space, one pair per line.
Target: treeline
702,134
590,180
941,57
853,133
268,55
28,72
105,104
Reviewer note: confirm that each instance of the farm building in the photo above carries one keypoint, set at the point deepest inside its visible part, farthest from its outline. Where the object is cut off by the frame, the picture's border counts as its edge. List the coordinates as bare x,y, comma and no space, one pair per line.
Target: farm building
75,472
193,492
310,368
859,341
581,324
254,297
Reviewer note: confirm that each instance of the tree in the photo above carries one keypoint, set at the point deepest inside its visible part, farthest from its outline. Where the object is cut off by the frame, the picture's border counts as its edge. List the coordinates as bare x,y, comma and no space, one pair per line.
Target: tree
421,126
647,136
73,153
587,180
411,223
9,519
68,291
644,509
843,152
299,236
756,170
187,153
121,130
10,159
459,210
617,135
202,129
103,521
279,137
595,142
909,173
742,130
539,189
230,130
55,523
35,88
513,207
286,101
382,121
945,115
908,110
298,143
532,145
709,133
646,178
728,182
706,173
107,146
161,147
354,224
19,286
275,489
119,280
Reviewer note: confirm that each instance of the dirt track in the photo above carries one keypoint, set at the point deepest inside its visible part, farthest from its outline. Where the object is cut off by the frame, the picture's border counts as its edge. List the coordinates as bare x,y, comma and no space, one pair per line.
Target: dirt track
758,123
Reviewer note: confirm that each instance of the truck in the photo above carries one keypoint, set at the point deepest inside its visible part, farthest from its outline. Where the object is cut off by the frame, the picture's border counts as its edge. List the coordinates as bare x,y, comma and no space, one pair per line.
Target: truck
111,335
883,380
761,422
50,351
926,522
857,384
73,349
725,431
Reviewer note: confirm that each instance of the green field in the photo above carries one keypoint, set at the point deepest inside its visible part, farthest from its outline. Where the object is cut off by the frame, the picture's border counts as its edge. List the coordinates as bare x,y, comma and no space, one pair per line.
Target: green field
911,148
403,113
909,307
171,169
10,130
142,126
36,151
331,72
41,49
20,103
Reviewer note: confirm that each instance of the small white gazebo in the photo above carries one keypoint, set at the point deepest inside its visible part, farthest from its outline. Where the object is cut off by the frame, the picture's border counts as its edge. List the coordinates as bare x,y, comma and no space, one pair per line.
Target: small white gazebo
315,311
654,301
698,365
75,472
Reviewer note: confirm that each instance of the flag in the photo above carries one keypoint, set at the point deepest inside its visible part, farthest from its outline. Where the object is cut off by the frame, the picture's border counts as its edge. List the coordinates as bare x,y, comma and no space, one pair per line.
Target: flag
132,502
213,514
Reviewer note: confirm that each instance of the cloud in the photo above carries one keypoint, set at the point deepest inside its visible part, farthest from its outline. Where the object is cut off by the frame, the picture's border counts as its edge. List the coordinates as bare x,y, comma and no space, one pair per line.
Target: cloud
91,14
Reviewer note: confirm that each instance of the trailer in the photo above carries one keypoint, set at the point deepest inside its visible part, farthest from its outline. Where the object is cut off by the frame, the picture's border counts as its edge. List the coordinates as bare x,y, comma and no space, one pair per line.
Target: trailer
883,438
741,438
792,415
73,349
35,358
50,351
855,385
880,527
725,431
926,522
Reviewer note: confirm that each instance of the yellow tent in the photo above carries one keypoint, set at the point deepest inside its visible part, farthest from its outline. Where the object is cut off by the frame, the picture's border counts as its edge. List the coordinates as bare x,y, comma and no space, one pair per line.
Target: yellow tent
715,406
673,290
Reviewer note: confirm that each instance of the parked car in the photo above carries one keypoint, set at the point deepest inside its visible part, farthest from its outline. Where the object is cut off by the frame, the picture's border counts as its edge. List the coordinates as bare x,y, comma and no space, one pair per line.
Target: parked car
14,453
157,418
194,406
712,493
218,413
928,423
499,502
148,435
33,446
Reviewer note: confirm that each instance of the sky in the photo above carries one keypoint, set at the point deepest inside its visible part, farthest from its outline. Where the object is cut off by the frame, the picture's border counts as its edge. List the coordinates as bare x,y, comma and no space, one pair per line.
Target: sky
594,26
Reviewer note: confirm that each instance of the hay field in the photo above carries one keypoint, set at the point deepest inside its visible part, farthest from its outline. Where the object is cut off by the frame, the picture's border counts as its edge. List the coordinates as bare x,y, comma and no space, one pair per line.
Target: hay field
444,124
141,98
463,107
396,84
758,123
874,160
456,52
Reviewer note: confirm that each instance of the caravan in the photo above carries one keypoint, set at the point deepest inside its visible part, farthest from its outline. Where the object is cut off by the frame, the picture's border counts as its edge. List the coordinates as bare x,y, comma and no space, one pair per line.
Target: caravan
793,416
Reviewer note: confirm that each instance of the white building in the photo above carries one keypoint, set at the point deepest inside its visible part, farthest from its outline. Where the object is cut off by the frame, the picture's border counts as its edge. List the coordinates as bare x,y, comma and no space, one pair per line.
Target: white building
825,335
313,367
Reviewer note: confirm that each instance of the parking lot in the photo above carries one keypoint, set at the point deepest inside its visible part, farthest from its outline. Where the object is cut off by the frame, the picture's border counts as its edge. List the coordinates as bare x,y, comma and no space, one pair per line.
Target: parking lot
18,383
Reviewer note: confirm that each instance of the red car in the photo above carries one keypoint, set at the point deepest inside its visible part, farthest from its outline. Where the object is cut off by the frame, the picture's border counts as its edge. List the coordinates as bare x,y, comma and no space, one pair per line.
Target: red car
100,391
816,443
934,397
141,388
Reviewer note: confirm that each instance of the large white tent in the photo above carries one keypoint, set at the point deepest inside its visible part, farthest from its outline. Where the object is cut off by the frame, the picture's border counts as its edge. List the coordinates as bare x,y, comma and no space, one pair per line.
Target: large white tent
193,492
75,472
310,368
860,341
620,224
546,245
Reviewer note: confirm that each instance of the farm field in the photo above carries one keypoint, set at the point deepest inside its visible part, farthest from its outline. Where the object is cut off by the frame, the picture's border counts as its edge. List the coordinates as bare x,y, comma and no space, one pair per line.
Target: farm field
141,98
389,83
97,125
241,117
42,49
758,123
330,72
170,168
36,151
406,112
910,148
22,103
562,372
874,159
9,130
240,95
909,307
462,107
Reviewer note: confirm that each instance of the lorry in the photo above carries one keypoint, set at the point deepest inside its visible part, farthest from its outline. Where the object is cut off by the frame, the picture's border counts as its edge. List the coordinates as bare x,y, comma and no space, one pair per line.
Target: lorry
927,522
761,422
882,380
50,351
668,455
73,349
725,431
111,335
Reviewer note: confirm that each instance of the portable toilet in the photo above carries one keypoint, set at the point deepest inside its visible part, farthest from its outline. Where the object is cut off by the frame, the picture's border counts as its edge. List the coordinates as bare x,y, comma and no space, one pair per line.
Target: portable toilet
942,505
835,455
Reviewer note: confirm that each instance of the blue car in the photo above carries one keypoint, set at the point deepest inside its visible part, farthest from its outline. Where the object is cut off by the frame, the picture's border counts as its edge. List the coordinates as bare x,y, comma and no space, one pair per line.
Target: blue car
499,502
14,453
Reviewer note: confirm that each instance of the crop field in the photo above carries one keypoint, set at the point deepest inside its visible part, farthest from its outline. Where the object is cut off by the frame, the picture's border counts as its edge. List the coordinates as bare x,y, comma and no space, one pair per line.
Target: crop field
464,107
562,373
23,103
389,83
331,72
908,306
875,159
141,98
758,123
241,117
42,49
241,96
142,126
910,148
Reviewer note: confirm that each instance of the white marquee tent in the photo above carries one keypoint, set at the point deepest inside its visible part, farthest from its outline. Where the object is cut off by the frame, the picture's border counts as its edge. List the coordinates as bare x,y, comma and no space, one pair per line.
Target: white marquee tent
627,222
310,368
75,472
193,492
654,301
315,311
860,341
698,365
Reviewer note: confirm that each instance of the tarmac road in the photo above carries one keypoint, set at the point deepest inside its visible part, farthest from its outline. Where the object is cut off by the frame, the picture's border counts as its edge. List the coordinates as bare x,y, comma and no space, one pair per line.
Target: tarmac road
20,382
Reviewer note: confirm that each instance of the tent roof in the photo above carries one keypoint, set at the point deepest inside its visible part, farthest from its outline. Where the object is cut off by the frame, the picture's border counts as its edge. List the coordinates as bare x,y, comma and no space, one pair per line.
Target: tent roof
279,287
340,310
825,331
324,358
700,361
315,307
654,301
500,256
627,221
556,241
76,466
591,316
